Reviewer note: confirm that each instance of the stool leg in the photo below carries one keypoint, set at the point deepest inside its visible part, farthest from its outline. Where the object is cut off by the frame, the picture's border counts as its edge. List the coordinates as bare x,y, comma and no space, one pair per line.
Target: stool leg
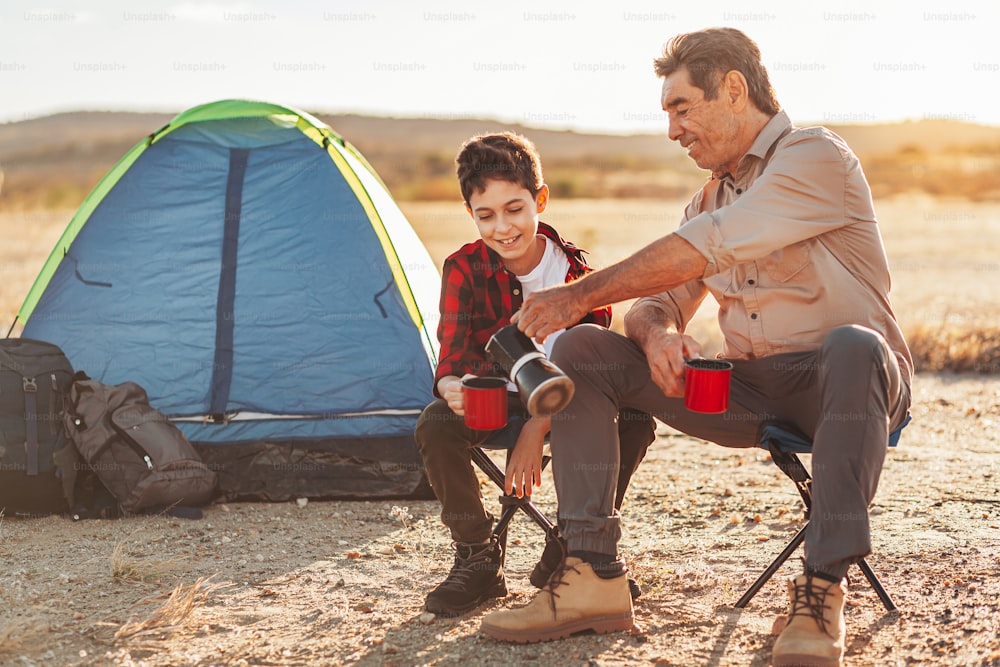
772,568
883,594
511,502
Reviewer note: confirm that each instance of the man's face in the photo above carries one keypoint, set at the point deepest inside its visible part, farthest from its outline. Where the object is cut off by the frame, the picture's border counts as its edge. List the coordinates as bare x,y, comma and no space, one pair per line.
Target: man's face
706,128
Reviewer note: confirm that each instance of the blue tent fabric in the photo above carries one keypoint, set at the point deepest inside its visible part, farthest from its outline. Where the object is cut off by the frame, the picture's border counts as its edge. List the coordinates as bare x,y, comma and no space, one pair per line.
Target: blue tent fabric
233,273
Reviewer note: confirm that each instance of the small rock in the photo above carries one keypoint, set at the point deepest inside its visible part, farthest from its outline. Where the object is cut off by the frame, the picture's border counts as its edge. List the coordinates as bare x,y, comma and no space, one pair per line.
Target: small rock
427,618
301,502
260,558
340,583
342,543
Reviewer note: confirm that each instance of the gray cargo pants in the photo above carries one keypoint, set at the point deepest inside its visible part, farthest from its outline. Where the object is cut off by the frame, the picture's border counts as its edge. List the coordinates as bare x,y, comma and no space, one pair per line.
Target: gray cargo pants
848,395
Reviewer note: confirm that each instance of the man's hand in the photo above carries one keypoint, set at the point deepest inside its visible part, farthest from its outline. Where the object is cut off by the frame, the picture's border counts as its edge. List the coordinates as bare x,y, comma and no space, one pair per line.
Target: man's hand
524,469
663,264
450,388
550,310
666,353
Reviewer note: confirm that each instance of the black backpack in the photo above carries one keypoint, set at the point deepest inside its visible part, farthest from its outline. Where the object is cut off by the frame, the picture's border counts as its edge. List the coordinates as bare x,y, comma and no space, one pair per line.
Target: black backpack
134,450
38,463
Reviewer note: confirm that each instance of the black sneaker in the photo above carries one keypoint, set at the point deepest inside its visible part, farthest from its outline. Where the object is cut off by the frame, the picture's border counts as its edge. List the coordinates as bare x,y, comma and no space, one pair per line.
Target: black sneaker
476,576
553,555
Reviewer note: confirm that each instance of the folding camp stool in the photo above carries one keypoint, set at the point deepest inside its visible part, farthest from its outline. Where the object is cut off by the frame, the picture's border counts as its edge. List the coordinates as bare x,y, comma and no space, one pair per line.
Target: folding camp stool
506,438
784,446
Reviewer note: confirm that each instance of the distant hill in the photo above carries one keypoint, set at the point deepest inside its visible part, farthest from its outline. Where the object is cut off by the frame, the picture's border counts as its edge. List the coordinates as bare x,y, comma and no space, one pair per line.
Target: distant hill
55,160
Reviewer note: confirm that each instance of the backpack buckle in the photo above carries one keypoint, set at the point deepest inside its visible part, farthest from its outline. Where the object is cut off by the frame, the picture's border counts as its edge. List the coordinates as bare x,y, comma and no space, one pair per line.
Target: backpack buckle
30,385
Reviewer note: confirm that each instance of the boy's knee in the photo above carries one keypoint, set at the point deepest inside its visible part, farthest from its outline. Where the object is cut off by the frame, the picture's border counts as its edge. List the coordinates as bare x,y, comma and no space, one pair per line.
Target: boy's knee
432,423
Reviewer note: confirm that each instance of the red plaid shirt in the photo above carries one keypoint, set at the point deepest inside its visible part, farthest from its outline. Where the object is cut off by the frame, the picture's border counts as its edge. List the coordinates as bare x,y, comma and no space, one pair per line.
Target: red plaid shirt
478,297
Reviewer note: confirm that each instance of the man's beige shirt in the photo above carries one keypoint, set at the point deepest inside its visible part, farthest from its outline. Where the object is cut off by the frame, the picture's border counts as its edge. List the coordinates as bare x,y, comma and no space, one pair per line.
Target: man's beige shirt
793,248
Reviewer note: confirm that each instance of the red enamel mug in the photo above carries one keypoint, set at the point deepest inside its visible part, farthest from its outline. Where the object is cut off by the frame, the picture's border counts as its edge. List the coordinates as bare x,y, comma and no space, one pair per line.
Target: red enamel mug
485,402
706,385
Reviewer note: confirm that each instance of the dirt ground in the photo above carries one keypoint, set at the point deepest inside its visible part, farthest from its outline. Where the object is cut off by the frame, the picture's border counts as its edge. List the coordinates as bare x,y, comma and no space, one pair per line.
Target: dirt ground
332,583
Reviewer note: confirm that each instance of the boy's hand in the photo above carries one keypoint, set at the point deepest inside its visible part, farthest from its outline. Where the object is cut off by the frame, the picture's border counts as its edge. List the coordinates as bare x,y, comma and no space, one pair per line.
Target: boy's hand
450,388
524,469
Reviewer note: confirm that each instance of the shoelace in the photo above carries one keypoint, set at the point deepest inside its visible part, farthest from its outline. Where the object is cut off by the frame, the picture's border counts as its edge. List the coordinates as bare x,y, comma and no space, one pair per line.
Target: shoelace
811,601
465,566
557,580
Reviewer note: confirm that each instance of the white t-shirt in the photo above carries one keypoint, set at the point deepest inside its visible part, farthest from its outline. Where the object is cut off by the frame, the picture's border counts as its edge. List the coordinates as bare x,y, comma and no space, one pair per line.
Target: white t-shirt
551,271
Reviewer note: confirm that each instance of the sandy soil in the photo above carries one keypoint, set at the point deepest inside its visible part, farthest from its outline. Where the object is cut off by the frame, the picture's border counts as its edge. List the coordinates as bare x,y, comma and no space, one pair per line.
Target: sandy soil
331,583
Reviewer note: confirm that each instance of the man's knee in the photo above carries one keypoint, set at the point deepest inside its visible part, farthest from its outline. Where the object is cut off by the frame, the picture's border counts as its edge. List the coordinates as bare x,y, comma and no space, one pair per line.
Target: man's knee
854,344
577,344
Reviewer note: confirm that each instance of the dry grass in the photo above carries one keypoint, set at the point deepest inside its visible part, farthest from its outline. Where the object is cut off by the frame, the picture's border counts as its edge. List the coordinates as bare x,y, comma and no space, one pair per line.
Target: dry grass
955,349
125,566
23,632
171,615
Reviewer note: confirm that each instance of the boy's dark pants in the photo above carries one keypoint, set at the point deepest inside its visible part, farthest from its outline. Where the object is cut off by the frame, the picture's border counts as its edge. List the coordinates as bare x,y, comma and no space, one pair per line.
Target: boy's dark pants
445,443
848,395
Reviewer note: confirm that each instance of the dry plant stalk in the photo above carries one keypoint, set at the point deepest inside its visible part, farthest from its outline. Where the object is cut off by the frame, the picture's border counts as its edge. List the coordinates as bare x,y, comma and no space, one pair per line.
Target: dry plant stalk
170,616
955,349
125,567
19,633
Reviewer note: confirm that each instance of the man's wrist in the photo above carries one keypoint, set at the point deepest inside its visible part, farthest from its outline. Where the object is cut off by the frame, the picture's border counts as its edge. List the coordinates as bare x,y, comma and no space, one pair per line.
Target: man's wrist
646,324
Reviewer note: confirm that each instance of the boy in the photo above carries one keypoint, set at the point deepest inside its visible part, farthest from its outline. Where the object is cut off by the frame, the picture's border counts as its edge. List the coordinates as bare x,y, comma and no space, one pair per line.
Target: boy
483,284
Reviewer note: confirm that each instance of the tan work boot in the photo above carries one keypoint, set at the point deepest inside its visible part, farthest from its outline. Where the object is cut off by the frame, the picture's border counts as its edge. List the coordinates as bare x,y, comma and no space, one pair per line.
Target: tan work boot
574,600
814,634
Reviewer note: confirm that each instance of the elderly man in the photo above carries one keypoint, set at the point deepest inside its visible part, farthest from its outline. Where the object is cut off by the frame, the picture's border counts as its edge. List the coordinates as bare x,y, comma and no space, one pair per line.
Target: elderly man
784,237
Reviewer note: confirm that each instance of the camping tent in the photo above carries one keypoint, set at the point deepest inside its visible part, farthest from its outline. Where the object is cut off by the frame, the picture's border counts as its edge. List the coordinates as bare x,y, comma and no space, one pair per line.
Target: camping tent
247,267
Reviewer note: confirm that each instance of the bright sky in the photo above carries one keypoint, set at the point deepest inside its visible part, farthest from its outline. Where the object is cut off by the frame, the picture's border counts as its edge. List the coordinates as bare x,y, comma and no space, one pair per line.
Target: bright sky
576,65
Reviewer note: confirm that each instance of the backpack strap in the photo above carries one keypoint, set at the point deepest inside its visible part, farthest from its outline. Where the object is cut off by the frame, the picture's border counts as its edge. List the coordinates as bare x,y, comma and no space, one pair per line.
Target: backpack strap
31,426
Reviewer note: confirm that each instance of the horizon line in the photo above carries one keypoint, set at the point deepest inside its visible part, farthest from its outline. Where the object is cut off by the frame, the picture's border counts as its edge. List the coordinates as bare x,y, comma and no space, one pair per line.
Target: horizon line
861,119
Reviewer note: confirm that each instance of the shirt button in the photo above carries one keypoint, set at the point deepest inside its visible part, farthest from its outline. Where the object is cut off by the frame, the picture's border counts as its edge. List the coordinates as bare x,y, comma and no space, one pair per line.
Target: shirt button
739,191
753,316
751,282
516,291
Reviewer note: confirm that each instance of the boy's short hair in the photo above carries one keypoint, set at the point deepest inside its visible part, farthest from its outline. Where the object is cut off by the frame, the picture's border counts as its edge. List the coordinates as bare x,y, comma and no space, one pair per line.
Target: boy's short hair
504,156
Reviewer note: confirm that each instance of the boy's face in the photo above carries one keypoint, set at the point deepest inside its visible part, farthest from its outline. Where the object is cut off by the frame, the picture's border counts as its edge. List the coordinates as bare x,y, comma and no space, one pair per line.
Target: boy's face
507,218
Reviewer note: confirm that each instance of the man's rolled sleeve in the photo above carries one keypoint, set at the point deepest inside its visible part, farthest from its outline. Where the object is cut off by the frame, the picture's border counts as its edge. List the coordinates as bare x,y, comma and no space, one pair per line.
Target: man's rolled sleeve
704,235
678,305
